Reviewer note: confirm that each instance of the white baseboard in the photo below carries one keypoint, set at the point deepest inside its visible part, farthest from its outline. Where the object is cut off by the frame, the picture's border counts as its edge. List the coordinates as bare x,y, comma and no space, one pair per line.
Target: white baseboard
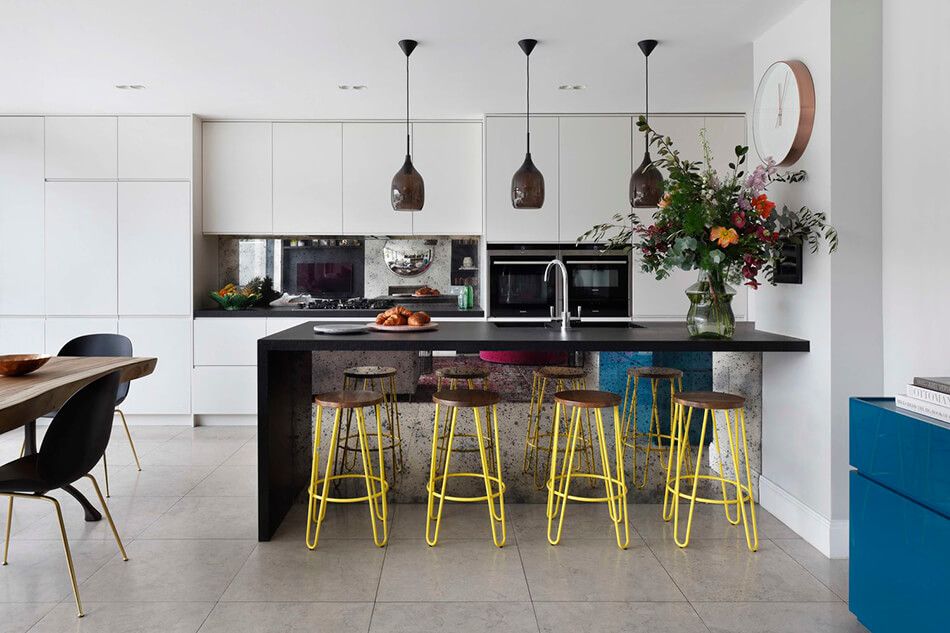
829,536
157,420
225,420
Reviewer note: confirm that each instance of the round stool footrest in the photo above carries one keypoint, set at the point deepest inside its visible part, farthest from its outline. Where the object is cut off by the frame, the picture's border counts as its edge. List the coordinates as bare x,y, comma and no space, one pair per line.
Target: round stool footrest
381,482
746,493
630,442
494,495
612,480
345,443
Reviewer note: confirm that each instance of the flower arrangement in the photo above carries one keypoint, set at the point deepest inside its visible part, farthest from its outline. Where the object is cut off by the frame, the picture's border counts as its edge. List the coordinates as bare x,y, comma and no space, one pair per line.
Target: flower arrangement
724,226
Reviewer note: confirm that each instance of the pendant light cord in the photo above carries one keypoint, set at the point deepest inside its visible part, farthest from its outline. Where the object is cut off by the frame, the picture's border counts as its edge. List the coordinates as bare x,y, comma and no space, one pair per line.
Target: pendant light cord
646,135
407,105
527,62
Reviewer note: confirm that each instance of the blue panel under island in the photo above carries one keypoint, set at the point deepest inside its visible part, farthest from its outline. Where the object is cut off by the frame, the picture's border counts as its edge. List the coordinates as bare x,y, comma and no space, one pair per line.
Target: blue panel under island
899,519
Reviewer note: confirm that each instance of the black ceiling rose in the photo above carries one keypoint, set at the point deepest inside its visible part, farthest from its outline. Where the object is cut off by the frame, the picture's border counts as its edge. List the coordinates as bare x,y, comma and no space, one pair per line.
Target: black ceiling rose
646,182
527,184
408,190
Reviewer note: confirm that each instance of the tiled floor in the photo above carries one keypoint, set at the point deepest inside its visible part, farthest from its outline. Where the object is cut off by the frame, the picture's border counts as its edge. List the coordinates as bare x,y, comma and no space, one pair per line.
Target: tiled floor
188,520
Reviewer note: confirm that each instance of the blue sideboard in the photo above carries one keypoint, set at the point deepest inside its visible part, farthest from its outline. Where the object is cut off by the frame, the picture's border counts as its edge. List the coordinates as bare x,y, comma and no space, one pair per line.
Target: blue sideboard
899,518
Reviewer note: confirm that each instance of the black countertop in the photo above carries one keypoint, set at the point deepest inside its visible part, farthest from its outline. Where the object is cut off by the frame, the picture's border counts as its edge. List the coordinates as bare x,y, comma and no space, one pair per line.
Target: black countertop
316,315
476,336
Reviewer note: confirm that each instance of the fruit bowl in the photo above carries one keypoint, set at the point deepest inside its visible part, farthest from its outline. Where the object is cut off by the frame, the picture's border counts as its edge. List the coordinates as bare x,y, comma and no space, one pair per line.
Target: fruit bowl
21,364
234,301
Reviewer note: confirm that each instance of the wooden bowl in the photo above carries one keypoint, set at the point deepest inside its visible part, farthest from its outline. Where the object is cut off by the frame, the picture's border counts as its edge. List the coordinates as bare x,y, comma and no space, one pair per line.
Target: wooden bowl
20,364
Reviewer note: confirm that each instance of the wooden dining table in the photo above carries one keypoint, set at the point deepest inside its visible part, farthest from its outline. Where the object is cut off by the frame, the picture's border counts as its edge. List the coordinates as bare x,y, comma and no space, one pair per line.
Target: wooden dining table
23,399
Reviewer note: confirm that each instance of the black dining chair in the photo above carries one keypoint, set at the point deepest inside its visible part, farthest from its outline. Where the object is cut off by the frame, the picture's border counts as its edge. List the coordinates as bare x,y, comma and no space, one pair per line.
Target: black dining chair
106,345
74,443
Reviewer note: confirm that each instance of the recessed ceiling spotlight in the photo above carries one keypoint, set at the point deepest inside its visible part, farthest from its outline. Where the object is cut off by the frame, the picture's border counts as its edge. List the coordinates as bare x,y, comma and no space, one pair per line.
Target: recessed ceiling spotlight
352,87
571,87
130,86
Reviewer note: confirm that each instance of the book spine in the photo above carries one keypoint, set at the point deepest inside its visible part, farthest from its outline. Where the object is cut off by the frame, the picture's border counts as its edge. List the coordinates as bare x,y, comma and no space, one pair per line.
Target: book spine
933,385
929,395
924,408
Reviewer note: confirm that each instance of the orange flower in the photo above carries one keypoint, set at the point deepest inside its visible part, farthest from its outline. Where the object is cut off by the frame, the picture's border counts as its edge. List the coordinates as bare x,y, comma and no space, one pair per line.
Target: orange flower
763,206
724,235
665,201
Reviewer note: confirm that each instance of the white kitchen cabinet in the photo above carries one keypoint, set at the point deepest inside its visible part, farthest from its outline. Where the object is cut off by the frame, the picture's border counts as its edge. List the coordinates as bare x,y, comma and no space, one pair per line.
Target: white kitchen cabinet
372,154
154,248
504,153
595,168
308,178
81,147
236,177
224,390
228,340
155,147
724,133
22,335
61,330
279,324
21,216
81,248
449,157
168,389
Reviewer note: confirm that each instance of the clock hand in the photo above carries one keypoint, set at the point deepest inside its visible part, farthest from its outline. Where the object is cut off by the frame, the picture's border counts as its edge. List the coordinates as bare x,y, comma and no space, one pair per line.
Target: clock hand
778,116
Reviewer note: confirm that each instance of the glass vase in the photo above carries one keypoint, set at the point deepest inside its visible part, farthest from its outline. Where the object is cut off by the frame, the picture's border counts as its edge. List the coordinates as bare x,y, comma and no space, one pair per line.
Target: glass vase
710,308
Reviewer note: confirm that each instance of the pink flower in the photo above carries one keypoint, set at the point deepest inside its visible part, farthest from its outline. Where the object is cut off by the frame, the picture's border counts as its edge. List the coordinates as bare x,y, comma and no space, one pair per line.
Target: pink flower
738,219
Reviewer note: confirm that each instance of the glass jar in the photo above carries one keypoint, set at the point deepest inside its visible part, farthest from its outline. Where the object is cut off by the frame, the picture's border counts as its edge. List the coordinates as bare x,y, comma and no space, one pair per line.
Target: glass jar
710,307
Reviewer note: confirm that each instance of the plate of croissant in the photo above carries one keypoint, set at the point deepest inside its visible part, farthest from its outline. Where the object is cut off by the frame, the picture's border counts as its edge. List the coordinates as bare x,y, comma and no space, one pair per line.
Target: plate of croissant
401,319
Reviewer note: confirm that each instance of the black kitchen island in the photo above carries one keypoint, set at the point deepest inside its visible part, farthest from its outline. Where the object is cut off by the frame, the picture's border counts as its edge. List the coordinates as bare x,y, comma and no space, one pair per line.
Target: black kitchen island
285,374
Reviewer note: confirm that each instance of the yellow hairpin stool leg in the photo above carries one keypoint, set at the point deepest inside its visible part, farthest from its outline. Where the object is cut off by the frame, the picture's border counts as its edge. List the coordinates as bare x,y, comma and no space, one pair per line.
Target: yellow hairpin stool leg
476,400
381,380
450,377
539,443
732,406
376,484
559,481
651,440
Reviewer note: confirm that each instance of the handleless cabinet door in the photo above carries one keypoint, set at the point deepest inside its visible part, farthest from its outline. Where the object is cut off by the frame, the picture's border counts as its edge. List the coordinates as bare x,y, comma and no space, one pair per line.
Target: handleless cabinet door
372,154
21,216
449,157
61,330
308,178
22,335
168,389
595,172
504,153
155,147
236,178
228,341
81,248
154,248
81,147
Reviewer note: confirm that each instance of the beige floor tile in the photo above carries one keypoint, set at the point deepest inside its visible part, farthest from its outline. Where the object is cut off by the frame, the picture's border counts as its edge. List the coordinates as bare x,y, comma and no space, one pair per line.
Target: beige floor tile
581,521
335,571
465,521
595,570
349,521
611,617
270,617
832,572
169,571
18,618
244,432
185,451
454,617
725,570
123,617
157,433
244,456
832,617
454,571
709,522
228,481
37,570
131,515
152,481
207,518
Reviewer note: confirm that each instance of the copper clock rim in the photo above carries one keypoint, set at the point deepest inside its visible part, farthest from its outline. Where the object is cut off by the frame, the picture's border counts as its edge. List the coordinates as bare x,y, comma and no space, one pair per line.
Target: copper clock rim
806,110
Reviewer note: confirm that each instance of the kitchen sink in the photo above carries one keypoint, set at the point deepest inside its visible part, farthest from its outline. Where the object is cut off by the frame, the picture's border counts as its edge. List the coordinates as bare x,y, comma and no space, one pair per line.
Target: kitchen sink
575,325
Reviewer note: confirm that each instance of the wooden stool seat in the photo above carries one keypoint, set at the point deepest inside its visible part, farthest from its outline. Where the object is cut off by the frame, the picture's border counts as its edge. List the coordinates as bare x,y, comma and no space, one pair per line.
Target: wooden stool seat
369,371
588,398
462,372
466,398
348,399
658,373
714,400
562,372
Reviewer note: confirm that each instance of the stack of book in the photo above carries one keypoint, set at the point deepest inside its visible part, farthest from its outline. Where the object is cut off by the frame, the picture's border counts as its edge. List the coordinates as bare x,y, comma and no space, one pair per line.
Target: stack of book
927,396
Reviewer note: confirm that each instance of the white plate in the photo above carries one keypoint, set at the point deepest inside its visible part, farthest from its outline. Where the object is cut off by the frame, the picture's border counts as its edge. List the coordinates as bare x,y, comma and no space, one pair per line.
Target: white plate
340,328
431,325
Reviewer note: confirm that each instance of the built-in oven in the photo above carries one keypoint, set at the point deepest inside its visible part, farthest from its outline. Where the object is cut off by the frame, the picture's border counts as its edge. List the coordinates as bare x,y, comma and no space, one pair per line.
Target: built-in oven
516,285
599,282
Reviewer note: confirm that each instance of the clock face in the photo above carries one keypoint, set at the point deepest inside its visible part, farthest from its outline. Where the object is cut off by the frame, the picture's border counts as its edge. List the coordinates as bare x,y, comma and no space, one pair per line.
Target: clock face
783,112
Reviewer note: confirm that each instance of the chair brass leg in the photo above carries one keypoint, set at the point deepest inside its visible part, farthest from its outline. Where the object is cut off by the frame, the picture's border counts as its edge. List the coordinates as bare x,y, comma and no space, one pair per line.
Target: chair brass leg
105,469
105,511
69,555
6,540
128,435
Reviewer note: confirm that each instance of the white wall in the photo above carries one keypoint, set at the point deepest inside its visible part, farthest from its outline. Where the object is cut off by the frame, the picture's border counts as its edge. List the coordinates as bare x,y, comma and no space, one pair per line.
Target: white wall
916,130
838,307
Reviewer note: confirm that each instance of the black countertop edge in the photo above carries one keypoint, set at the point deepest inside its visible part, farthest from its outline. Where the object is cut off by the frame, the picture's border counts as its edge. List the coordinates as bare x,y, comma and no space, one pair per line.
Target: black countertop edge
297,313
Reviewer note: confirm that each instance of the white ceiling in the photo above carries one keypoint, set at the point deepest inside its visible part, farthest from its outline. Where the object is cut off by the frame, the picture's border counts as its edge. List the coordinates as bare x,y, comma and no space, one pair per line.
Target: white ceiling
285,58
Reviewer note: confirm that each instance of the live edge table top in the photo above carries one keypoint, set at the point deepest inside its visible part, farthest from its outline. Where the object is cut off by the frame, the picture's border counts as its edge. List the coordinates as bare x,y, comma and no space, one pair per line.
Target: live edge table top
474,336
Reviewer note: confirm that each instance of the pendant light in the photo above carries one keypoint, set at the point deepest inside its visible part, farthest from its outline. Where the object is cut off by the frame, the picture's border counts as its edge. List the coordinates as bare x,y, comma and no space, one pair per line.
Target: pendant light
646,183
527,185
408,191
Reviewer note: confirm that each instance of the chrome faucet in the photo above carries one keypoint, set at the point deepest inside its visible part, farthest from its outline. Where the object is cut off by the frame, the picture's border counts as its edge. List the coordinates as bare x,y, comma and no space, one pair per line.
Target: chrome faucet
565,309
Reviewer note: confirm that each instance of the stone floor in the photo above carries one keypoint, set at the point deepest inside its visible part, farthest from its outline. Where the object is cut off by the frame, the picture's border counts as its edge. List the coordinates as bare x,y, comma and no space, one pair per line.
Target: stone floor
189,524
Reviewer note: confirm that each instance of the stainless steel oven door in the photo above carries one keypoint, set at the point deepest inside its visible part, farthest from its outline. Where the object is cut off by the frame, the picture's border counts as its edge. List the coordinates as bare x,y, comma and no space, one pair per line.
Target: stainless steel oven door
599,286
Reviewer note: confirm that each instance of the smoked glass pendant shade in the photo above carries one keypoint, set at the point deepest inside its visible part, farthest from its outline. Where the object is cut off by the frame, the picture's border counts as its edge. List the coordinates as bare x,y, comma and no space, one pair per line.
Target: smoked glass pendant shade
527,186
408,190
646,184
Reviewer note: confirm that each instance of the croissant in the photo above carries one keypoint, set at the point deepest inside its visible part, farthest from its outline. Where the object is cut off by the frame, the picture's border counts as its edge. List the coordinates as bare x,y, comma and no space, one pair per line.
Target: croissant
389,312
380,318
419,318
402,311
402,319
392,319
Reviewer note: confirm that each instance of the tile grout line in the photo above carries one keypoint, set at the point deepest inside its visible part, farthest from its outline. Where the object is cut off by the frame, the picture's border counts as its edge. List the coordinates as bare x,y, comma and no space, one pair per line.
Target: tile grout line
807,571
675,584
379,581
534,609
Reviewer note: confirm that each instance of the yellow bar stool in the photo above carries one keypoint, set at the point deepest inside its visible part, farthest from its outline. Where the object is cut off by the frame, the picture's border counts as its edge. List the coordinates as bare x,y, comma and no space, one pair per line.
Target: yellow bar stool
732,407
451,377
638,440
381,380
474,399
539,443
559,481
376,485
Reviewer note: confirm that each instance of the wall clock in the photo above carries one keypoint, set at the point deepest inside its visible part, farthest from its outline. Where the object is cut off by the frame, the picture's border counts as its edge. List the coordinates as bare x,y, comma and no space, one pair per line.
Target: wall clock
784,112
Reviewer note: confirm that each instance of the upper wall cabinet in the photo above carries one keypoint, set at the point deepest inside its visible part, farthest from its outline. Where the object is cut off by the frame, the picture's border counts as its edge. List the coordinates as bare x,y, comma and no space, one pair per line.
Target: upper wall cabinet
155,147
21,216
595,172
372,153
504,153
308,178
236,173
449,157
81,147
